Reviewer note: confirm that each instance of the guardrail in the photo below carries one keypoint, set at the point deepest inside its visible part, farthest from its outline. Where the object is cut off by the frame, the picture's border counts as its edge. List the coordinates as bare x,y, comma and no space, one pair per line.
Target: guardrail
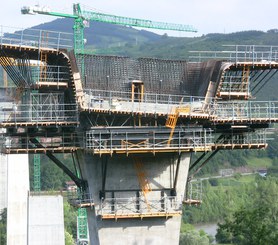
146,103
35,38
258,137
240,53
80,199
55,74
37,113
152,140
245,111
61,142
129,206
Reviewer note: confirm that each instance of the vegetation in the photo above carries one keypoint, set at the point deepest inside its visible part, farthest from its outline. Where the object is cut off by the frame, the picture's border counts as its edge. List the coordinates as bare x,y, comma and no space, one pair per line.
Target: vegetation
245,207
189,236
255,221
70,217
3,226
52,177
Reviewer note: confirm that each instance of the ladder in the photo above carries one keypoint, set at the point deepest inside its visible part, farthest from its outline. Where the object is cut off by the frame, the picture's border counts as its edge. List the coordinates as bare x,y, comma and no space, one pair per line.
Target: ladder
245,79
172,119
43,56
171,122
142,178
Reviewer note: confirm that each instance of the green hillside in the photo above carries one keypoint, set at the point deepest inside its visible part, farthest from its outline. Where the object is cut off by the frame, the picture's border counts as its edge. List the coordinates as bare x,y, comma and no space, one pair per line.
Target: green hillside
103,35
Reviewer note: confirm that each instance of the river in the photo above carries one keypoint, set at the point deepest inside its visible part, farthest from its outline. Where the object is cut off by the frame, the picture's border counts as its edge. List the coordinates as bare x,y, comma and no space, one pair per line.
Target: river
209,228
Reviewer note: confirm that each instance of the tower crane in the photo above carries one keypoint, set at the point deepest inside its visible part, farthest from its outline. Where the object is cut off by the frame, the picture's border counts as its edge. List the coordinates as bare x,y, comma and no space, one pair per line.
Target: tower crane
82,17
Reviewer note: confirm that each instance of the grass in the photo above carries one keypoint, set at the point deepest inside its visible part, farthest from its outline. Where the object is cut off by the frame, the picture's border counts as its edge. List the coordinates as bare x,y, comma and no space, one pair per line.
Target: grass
259,162
232,181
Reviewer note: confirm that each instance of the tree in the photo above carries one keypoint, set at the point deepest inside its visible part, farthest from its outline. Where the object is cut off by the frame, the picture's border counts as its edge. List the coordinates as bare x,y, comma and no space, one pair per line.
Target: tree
3,226
254,223
194,237
69,239
70,217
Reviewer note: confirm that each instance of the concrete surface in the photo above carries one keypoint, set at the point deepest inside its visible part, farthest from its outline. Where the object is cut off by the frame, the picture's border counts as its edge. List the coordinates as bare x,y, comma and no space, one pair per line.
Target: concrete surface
18,188
46,220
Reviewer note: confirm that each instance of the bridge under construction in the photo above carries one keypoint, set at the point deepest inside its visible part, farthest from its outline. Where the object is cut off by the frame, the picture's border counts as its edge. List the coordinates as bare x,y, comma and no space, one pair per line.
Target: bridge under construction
131,125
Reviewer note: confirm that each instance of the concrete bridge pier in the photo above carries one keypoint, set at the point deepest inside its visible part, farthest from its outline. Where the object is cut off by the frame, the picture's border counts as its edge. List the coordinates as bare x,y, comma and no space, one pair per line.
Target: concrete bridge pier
123,213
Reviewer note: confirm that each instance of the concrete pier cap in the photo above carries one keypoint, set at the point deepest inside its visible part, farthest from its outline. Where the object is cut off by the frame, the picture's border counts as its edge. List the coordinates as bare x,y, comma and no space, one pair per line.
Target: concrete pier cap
125,212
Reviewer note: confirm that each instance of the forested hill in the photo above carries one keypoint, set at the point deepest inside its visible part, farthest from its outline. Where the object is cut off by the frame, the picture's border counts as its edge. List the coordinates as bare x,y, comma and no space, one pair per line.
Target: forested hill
103,35
121,40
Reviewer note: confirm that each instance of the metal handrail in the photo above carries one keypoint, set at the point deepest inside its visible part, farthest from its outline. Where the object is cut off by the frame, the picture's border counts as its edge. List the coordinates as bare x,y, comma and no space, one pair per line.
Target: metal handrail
245,110
23,142
150,103
120,206
38,113
143,140
33,37
241,53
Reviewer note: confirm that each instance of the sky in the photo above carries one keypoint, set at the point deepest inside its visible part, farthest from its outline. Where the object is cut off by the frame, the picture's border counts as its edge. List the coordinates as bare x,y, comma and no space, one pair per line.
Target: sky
208,16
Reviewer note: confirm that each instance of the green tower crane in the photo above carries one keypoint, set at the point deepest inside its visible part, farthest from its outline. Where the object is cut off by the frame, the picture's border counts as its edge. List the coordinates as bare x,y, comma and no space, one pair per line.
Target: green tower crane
82,17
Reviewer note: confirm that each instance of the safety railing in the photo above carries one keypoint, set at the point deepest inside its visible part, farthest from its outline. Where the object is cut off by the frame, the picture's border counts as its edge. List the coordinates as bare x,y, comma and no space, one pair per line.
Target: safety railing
80,199
35,38
131,206
245,111
37,113
194,191
233,84
60,142
241,53
259,137
147,103
49,74
198,139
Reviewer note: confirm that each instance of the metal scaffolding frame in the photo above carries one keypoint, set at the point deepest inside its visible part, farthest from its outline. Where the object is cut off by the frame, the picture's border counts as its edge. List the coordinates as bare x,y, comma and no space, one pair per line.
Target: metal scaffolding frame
48,108
33,38
137,207
119,101
254,54
248,111
21,143
147,139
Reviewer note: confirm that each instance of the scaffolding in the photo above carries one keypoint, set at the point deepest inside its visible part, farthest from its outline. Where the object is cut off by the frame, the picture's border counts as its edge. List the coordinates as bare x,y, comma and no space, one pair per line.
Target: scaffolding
56,143
38,112
155,104
125,208
234,86
32,38
194,192
245,111
248,54
127,140
168,98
